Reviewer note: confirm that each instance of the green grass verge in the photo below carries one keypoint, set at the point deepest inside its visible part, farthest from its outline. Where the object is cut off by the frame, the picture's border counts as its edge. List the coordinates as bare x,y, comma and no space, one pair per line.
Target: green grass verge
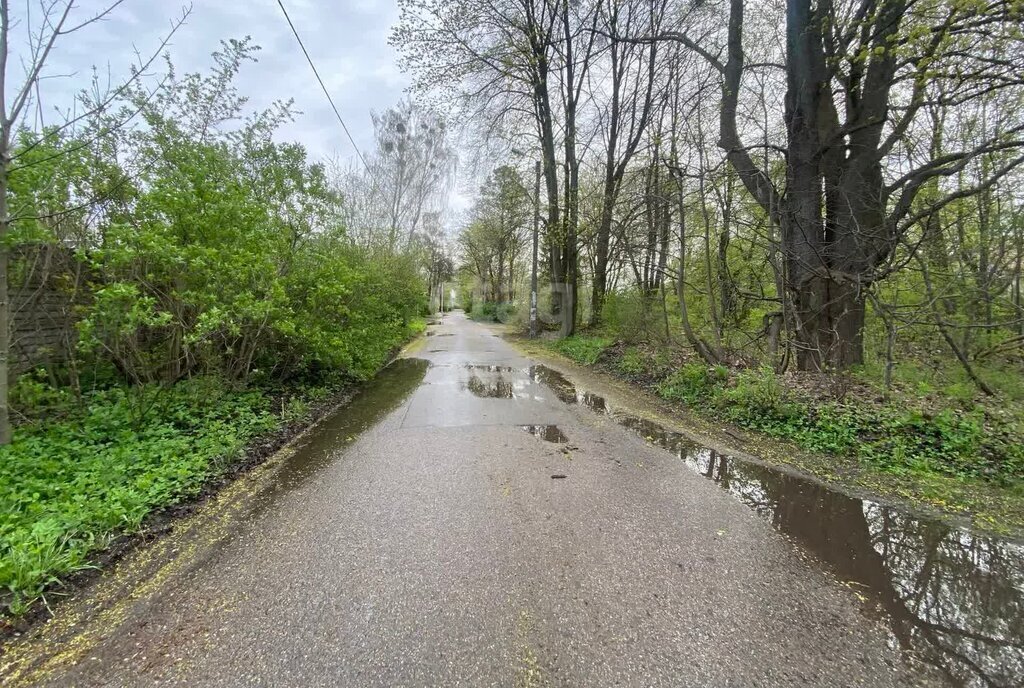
581,348
96,468
897,438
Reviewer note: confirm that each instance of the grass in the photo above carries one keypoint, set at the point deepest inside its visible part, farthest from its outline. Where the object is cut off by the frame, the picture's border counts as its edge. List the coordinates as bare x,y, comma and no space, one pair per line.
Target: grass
582,349
897,438
85,471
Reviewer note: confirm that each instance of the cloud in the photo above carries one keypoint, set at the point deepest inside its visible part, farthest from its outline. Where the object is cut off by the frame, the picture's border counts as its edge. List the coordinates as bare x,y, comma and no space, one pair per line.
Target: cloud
347,40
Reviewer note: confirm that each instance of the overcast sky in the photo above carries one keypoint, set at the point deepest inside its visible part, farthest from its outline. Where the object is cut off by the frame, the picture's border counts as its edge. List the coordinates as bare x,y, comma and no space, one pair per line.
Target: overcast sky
347,40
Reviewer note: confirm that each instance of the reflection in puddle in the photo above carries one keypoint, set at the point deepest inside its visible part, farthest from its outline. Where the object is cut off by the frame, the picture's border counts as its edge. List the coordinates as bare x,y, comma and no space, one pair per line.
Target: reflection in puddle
493,368
562,388
953,598
499,382
548,433
493,389
593,401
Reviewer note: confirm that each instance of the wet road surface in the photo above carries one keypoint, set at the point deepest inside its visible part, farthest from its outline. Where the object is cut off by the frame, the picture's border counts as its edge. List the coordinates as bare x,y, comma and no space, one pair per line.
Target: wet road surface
476,519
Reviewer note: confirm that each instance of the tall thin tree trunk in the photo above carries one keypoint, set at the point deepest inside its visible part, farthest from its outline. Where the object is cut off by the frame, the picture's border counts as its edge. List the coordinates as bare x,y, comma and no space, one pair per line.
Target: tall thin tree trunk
5,224
5,303
716,322
696,342
944,331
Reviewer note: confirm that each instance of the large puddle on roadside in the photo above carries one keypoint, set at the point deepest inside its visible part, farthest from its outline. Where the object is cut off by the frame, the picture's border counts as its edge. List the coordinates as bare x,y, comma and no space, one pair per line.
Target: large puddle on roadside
952,598
499,382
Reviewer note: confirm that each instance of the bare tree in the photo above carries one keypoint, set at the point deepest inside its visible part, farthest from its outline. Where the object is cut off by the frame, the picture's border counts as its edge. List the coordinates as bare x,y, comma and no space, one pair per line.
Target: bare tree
413,168
632,76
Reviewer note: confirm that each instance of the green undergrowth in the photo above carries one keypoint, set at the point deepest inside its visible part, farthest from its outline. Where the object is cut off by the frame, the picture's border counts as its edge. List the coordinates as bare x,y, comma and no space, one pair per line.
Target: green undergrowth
85,469
491,312
581,349
966,441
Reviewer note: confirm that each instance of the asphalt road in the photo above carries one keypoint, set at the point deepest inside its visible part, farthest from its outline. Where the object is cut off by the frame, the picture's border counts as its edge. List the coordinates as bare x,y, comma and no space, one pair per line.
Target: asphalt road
423,537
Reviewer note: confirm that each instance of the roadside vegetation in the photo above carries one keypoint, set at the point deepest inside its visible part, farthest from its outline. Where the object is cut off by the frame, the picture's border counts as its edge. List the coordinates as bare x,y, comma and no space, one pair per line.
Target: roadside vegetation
490,312
925,439
185,285
83,470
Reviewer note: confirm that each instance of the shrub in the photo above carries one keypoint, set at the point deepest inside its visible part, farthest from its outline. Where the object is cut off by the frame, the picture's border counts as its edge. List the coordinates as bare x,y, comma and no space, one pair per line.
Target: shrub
693,383
503,312
68,485
632,362
582,348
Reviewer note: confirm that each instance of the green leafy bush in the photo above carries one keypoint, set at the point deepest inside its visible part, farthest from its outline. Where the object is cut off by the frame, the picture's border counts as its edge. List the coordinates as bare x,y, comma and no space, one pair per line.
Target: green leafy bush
487,311
67,485
219,250
693,383
582,348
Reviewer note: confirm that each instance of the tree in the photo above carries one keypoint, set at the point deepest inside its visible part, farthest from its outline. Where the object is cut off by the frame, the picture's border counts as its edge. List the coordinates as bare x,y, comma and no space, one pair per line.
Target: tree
56,23
437,256
413,167
494,240
516,65
858,76
632,81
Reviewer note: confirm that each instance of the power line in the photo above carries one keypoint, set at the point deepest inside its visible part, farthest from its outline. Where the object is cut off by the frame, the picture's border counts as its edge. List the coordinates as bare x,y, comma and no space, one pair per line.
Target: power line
326,92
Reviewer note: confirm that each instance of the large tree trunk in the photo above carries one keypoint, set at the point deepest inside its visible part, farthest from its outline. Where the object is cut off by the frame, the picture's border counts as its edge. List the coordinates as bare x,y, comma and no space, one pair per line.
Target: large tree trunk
832,214
830,322
546,135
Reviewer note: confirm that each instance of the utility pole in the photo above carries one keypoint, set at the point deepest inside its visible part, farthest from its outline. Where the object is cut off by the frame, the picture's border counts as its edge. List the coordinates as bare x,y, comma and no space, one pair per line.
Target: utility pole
536,233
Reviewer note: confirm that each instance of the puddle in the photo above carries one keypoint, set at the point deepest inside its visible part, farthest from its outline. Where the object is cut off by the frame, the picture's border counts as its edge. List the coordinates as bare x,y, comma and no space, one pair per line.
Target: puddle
593,401
548,433
492,368
952,598
500,381
386,392
557,382
499,388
